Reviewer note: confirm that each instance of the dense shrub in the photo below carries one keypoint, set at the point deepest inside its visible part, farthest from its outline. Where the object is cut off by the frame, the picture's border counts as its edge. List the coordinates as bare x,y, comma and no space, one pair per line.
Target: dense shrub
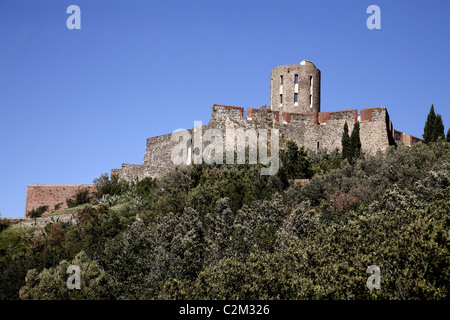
81,197
225,232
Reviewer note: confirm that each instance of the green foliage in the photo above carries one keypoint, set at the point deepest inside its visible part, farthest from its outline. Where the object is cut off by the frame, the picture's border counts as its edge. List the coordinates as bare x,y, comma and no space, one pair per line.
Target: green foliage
438,128
448,135
226,232
351,145
428,131
355,142
38,212
113,186
81,197
434,127
51,284
57,206
4,223
294,163
346,143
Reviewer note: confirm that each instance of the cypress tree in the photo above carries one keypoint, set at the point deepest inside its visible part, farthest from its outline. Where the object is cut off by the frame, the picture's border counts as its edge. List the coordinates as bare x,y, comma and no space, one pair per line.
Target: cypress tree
428,131
346,147
438,128
448,135
355,141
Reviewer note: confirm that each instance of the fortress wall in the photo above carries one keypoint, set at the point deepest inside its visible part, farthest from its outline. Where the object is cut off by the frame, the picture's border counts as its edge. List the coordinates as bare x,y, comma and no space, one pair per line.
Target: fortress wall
301,118
52,194
344,115
314,131
375,133
328,135
398,136
221,113
253,113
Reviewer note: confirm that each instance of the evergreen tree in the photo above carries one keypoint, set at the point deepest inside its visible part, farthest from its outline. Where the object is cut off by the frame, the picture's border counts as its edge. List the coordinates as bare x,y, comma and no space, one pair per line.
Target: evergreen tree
355,141
295,163
346,147
428,131
448,135
438,128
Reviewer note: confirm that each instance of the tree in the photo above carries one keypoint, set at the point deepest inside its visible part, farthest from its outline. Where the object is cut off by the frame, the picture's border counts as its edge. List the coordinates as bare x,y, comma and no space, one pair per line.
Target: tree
428,130
355,141
438,130
448,135
345,143
81,197
36,213
295,163
51,284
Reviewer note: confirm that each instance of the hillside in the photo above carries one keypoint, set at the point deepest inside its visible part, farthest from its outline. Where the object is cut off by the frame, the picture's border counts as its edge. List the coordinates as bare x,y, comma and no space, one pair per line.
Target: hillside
225,232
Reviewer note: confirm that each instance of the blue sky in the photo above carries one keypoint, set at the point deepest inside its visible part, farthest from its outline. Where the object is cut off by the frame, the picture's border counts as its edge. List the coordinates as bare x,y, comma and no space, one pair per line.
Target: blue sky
77,103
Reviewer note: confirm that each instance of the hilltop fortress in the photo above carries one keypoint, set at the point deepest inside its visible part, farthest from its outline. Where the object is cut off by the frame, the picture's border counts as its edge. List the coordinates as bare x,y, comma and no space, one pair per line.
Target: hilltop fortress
294,111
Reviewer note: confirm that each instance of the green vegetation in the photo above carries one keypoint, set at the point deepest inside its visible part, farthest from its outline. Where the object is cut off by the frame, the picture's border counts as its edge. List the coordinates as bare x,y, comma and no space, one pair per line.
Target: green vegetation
434,127
81,197
4,223
38,212
226,232
70,210
351,145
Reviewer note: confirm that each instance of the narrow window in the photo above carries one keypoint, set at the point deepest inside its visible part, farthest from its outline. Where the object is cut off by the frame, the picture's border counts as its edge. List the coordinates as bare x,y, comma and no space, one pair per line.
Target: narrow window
295,97
189,152
311,82
281,98
317,145
296,79
281,80
310,100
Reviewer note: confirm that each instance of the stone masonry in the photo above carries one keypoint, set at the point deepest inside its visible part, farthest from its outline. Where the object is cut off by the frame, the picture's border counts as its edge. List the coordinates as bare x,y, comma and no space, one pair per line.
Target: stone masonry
297,116
294,111
51,195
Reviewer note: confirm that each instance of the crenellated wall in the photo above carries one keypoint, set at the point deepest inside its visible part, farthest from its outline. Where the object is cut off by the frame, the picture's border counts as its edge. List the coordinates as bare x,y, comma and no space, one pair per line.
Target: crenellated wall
295,112
314,131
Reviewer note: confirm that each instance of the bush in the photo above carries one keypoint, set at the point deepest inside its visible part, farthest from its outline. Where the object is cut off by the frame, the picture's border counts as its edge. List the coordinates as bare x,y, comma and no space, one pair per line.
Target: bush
36,213
81,197
4,223
113,186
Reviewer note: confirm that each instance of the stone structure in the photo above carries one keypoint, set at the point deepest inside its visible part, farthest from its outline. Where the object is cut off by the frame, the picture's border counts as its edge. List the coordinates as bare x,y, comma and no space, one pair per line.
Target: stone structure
295,88
294,110
52,195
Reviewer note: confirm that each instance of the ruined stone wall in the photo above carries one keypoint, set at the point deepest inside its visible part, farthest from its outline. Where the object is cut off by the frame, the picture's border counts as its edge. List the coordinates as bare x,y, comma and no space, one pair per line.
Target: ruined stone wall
51,195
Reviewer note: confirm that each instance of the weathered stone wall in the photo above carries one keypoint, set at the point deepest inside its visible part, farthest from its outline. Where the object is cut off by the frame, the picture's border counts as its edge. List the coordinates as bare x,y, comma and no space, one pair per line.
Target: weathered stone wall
305,71
51,195
405,139
321,130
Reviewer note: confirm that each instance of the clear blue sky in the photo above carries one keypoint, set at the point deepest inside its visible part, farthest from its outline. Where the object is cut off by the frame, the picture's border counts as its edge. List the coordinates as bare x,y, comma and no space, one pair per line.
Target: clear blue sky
76,103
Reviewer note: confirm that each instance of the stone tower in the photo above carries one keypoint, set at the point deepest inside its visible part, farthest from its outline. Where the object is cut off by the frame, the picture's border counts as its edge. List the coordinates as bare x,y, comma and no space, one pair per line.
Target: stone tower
295,88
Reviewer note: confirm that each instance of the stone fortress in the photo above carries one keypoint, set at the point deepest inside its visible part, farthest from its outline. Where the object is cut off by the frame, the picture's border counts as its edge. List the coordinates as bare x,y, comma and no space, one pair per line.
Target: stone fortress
294,110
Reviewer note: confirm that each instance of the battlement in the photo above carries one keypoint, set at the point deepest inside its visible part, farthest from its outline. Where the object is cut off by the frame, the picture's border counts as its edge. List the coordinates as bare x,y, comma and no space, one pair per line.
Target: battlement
294,111
405,139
